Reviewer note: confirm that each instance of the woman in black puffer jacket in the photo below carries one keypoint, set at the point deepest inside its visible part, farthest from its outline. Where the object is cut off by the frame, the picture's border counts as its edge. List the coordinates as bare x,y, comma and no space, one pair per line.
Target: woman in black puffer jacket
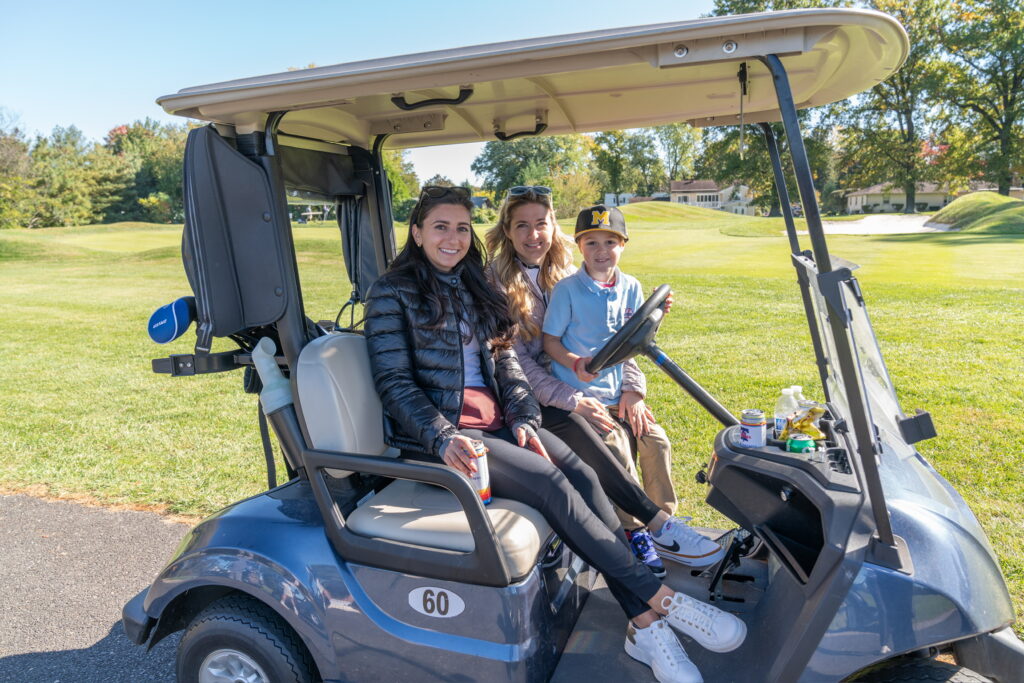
439,339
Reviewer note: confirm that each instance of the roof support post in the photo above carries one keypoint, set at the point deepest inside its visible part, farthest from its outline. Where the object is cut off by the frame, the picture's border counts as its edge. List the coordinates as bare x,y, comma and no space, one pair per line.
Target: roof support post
794,246
291,328
884,549
801,167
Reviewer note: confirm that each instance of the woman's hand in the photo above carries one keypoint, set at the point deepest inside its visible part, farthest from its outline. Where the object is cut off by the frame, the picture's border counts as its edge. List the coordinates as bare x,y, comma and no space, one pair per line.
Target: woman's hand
579,366
527,437
594,412
636,413
460,455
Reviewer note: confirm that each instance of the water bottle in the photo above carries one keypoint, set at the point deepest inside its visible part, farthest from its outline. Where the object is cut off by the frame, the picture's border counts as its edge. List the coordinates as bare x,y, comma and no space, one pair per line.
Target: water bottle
784,408
798,393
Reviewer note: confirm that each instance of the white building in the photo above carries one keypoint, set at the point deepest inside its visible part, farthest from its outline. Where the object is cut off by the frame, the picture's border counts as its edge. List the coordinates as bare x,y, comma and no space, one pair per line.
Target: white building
706,194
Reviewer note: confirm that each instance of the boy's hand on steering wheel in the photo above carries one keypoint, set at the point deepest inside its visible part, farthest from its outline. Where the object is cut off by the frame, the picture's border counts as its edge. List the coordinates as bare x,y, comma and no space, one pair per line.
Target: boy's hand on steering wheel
460,455
579,367
636,413
594,412
526,437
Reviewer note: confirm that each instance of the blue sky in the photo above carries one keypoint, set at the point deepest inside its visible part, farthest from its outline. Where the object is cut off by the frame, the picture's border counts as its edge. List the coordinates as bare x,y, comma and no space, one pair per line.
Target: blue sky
98,65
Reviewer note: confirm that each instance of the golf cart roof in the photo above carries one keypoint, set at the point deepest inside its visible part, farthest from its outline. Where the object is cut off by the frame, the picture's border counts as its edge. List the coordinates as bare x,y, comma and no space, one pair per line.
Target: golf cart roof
582,82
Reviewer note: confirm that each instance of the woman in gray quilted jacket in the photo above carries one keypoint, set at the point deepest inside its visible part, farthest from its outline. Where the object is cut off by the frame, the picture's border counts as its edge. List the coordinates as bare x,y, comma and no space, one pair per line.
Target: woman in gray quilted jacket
439,339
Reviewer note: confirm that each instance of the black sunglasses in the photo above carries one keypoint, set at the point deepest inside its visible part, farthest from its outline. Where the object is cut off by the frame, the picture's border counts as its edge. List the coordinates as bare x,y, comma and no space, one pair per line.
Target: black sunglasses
438,191
523,190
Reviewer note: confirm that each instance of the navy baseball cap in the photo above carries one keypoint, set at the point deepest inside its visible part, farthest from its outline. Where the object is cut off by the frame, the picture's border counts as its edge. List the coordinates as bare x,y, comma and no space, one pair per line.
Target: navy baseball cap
601,217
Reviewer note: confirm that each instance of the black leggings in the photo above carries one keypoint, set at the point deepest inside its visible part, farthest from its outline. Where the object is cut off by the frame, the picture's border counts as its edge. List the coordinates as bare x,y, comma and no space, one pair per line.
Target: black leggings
569,496
581,438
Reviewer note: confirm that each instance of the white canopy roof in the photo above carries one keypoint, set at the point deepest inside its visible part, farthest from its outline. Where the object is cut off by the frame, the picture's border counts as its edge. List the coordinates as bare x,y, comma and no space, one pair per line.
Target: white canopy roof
599,80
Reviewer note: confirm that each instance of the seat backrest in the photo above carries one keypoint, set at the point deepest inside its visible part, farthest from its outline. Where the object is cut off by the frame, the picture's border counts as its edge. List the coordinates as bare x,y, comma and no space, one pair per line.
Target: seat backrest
339,403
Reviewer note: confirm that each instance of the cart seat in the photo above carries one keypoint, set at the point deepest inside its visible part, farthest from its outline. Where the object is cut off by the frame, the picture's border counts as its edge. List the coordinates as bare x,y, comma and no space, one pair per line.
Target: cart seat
342,412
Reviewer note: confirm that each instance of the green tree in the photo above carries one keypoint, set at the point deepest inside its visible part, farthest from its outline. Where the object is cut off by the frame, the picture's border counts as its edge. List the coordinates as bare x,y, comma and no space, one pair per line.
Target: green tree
985,79
17,196
74,180
154,154
531,161
679,144
642,150
888,126
402,175
611,155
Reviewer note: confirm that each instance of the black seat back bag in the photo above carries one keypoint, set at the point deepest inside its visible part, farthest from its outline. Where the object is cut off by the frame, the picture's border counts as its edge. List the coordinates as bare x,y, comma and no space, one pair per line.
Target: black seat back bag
230,247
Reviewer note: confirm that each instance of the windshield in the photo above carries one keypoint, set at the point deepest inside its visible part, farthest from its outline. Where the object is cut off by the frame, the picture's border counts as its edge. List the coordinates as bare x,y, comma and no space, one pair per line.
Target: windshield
905,475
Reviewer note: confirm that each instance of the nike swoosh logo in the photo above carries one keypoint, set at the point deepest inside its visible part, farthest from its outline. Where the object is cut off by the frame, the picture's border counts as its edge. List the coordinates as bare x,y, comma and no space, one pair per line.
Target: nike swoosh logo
674,548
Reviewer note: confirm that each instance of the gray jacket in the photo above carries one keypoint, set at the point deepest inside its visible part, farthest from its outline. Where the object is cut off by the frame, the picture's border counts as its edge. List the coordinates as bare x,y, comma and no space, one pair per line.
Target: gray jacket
536,365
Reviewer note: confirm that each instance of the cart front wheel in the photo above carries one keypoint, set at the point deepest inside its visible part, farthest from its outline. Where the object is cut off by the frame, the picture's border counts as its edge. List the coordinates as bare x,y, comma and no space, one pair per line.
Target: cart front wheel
909,670
238,639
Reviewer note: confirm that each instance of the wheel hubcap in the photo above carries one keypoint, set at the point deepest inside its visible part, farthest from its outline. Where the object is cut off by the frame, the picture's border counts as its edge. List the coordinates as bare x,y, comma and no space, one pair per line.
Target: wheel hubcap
230,666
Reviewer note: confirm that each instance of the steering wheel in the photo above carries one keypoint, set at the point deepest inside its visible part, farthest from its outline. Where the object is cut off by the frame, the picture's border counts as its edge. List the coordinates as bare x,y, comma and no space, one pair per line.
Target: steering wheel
635,335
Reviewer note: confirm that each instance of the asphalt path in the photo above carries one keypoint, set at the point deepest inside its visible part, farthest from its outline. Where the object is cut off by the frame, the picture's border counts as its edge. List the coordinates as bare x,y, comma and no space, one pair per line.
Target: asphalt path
66,570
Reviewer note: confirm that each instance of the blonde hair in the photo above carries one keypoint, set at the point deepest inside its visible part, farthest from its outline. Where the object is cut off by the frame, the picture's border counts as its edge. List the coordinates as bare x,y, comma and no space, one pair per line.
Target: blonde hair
505,270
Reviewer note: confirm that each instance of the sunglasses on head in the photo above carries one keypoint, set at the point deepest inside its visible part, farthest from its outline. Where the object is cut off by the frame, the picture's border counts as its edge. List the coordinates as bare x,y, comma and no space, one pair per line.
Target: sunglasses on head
524,190
438,191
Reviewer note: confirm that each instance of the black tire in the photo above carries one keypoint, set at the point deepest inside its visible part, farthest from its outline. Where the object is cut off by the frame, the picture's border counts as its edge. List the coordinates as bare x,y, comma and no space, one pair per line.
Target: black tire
919,669
238,624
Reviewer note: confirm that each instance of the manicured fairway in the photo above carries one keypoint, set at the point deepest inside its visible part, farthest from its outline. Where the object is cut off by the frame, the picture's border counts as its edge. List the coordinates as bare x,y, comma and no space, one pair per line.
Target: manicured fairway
83,414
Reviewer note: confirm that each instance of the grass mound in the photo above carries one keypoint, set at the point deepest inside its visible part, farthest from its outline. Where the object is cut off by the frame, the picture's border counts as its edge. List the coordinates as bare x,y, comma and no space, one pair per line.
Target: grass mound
987,212
667,212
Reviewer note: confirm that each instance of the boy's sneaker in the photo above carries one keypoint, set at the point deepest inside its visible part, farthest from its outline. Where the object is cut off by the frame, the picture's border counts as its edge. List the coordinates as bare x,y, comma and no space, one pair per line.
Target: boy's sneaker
657,647
677,541
643,548
712,628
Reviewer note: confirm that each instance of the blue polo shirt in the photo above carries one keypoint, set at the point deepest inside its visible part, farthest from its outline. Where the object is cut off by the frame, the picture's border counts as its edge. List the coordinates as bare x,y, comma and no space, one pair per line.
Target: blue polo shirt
585,315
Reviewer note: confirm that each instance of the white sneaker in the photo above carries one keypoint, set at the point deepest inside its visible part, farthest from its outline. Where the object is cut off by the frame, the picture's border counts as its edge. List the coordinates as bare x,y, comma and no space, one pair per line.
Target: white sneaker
714,629
657,647
677,541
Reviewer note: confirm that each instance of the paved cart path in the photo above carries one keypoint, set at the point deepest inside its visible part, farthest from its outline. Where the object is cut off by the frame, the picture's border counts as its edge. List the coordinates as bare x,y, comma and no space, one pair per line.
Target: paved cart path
66,570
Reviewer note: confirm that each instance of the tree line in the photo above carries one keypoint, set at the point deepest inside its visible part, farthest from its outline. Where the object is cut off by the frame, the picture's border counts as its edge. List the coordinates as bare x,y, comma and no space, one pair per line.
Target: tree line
953,114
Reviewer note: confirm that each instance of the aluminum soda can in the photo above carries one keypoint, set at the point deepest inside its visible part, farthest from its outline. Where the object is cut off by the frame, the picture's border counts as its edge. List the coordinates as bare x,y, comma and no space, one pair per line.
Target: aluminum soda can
800,443
482,477
753,428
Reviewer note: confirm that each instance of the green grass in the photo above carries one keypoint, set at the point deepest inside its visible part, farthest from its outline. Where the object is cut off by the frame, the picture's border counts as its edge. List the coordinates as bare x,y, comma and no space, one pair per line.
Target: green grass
83,414
984,212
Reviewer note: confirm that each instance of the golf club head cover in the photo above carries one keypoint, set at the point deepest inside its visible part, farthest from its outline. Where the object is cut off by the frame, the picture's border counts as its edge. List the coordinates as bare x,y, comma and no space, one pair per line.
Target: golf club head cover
170,322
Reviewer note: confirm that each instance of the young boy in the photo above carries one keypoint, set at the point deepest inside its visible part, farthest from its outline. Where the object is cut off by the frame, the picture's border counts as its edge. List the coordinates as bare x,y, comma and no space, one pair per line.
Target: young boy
585,310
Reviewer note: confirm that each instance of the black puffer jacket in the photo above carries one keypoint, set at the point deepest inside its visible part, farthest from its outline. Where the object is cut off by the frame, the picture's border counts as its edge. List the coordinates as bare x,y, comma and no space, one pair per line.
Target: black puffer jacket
418,370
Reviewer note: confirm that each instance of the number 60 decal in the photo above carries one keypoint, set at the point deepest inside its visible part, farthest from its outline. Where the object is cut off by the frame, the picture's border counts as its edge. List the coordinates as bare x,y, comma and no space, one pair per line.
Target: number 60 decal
436,602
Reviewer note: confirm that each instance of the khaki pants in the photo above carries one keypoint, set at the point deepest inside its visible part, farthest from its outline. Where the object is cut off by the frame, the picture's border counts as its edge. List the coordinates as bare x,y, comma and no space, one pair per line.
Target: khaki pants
654,457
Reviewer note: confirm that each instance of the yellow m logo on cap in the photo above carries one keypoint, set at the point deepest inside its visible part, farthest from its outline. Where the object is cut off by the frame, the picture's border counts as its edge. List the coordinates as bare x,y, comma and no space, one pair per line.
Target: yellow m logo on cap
600,218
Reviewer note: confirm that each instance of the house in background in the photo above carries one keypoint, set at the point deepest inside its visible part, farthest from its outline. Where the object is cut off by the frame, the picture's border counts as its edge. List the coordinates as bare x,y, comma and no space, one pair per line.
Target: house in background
706,194
481,202
887,198
612,199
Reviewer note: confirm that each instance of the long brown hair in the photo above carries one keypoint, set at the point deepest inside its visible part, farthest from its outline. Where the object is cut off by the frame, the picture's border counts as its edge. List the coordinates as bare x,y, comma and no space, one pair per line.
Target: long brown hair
490,310
555,265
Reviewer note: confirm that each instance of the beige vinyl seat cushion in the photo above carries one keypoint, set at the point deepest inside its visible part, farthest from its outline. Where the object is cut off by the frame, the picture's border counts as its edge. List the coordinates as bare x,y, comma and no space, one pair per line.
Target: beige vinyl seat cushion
342,412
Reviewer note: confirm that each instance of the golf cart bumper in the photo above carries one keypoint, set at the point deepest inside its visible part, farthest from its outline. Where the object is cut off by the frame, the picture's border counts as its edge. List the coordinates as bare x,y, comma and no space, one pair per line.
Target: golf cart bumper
137,624
998,655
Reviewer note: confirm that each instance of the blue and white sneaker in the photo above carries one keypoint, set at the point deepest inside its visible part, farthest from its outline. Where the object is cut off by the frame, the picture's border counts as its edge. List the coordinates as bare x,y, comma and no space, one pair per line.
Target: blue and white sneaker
643,548
678,542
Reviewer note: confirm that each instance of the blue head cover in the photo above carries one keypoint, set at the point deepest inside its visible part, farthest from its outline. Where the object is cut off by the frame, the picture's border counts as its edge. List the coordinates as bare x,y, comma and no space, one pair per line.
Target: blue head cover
170,322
